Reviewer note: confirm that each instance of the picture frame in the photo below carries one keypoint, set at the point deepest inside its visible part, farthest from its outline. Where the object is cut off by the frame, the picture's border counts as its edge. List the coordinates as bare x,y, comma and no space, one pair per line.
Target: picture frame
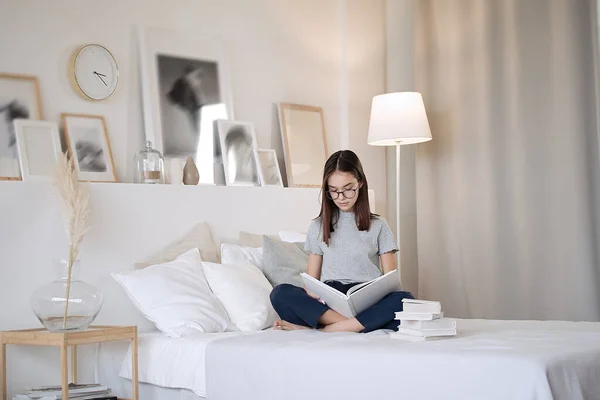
89,147
238,141
268,167
304,143
20,98
39,147
186,87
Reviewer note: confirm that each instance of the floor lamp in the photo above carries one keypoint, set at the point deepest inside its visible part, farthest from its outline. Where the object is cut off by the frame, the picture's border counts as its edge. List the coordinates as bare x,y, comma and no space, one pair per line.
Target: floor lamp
398,119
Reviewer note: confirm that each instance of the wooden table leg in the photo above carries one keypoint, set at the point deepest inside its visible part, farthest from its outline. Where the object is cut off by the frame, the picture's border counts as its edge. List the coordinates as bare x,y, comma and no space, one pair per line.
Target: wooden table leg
64,361
74,364
134,366
2,369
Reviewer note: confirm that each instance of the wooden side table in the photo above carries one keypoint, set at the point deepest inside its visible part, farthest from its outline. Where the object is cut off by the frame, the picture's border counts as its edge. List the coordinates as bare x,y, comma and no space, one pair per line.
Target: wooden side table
64,340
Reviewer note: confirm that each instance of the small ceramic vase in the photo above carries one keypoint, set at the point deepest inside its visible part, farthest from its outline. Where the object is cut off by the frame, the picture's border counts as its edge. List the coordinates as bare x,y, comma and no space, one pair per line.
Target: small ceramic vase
190,172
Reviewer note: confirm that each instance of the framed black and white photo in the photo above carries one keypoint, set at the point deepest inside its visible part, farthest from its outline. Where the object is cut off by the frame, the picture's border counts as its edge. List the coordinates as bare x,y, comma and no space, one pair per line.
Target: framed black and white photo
19,99
87,140
186,87
238,142
268,167
38,146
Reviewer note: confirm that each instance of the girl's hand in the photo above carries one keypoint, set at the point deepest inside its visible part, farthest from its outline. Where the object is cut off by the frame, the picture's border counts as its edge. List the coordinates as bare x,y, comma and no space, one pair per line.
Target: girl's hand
314,296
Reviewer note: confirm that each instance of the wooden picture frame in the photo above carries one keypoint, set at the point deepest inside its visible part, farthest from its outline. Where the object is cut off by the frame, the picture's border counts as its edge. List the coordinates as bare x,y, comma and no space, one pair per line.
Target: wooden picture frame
304,143
38,145
89,147
20,98
268,167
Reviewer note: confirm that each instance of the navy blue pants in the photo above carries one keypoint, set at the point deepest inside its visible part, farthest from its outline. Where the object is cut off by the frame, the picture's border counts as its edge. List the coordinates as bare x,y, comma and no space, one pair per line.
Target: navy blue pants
294,305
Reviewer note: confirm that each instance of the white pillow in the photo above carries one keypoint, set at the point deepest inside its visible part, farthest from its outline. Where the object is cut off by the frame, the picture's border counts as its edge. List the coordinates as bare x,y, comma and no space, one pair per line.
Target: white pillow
175,296
244,292
236,254
292,237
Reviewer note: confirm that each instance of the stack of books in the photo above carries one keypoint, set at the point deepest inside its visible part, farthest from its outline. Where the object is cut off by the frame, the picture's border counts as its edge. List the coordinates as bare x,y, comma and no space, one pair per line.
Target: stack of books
91,391
422,320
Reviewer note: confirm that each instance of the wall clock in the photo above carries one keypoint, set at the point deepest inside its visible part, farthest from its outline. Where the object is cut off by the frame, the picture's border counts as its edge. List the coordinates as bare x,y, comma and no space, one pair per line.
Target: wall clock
95,72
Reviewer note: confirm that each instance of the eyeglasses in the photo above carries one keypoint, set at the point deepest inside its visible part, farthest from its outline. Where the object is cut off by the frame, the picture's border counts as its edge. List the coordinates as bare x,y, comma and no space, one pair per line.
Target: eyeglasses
348,193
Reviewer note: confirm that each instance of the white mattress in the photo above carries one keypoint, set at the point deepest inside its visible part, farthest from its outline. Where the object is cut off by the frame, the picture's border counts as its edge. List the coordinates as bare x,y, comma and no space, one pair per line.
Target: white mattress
517,360
174,362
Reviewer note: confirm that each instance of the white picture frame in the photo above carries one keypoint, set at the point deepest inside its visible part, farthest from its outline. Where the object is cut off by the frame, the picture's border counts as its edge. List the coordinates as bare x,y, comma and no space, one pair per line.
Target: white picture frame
166,58
89,147
38,147
237,142
19,99
268,167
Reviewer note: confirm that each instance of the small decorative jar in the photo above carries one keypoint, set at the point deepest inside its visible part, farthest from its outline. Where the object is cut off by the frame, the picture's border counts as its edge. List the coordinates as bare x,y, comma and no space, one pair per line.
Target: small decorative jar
149,165
65,305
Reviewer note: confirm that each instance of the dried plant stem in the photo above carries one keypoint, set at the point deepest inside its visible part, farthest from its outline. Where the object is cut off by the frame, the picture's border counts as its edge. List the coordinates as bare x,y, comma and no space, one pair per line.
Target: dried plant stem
76,211
72,251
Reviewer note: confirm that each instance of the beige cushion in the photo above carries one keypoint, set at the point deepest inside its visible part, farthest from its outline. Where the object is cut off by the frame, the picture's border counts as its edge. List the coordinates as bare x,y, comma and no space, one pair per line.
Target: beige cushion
199,237
253,239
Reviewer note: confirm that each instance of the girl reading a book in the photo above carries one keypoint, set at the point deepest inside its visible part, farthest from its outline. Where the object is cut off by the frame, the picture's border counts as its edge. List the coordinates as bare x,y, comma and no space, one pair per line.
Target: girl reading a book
346,245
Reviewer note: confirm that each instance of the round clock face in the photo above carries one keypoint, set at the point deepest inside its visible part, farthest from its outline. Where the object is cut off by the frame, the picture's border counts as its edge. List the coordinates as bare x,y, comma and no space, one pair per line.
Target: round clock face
96,72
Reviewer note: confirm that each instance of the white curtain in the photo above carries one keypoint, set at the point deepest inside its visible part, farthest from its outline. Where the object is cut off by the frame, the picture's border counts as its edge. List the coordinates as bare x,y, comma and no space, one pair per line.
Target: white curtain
507,191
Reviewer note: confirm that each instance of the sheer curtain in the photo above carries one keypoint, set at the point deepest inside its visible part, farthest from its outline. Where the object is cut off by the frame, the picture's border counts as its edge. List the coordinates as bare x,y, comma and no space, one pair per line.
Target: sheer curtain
507,192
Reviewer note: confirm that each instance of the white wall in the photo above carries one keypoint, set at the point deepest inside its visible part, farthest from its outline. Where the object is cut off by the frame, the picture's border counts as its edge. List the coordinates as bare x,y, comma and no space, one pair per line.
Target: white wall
365,61
279,50
400,77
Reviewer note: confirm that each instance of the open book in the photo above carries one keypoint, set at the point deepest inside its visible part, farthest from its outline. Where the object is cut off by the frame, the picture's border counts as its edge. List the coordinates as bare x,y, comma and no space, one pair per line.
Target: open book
358,298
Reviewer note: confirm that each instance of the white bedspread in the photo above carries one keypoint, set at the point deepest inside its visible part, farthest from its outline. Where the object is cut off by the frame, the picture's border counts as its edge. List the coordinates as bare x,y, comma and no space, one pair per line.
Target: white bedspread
174,362
517,360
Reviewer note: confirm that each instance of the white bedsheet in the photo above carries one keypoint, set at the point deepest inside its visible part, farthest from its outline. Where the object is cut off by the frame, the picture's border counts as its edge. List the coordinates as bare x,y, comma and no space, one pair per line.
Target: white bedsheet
517,360
174,362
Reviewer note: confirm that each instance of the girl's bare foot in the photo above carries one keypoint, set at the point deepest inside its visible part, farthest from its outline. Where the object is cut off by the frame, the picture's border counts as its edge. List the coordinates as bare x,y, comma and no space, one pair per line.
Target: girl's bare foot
282,325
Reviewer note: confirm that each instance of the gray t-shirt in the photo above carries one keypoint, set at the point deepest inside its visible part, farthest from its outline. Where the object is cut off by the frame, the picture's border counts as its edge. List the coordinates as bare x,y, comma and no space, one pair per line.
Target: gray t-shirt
352,255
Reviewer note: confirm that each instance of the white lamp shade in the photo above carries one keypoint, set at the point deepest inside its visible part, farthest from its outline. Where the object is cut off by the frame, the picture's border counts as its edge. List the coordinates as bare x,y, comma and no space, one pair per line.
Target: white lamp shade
398,118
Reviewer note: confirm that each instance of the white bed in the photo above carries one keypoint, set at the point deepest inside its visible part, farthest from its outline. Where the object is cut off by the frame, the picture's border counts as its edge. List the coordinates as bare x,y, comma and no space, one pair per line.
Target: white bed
488,360
517,360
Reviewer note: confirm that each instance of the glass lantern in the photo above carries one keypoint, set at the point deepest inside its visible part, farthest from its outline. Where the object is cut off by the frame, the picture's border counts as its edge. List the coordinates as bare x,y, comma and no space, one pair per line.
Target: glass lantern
149,165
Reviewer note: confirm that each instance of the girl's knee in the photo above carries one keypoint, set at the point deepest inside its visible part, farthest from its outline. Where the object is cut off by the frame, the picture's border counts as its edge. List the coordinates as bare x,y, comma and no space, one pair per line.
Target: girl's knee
280,292
407,295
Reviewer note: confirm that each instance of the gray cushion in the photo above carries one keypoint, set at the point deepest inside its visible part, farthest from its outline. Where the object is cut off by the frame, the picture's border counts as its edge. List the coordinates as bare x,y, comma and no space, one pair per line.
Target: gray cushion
283,262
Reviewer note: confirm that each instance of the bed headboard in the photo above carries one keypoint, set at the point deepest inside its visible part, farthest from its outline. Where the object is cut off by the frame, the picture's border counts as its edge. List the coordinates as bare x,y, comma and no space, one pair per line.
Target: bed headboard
129,223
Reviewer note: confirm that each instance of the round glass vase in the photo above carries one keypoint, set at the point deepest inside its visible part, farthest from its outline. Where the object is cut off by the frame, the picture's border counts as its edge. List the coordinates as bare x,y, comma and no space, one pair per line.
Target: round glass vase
49,302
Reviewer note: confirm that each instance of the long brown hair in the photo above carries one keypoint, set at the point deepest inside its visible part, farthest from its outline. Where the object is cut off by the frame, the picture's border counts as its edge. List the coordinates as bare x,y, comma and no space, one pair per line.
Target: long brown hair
344,161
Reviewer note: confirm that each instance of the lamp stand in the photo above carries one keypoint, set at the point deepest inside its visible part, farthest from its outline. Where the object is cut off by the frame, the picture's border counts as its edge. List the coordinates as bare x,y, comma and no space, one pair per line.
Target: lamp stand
398,255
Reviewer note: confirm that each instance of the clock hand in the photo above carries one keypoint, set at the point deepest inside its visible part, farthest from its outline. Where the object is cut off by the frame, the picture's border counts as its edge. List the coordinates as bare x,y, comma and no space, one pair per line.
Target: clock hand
99,77
98,73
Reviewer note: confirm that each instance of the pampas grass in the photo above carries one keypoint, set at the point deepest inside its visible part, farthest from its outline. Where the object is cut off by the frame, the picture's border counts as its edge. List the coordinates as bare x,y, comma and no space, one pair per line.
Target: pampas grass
75,212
